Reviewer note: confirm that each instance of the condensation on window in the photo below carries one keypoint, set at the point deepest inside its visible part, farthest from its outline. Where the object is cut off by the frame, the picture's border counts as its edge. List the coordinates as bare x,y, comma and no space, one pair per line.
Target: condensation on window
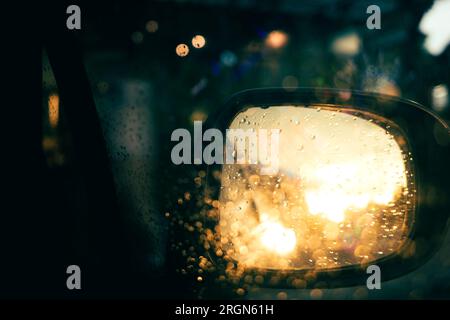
125,108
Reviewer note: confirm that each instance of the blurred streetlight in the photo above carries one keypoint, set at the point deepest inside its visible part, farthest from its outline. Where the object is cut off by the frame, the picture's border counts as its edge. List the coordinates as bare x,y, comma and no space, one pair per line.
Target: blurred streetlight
276,39
198,41
182,50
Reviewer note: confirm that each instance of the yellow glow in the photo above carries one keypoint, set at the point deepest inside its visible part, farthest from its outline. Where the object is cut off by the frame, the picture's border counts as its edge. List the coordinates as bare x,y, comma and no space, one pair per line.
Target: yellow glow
276,39
338,190
53,110
275,237
198,116
342,195
388,87
348,44
182,50
198,41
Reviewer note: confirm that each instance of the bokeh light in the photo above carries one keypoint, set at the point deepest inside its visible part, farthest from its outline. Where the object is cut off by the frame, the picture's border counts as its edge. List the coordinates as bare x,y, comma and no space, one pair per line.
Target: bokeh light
439,97
228,58
347,44
53,110
198,41
435,24
152,26
137,37
276,39
182,50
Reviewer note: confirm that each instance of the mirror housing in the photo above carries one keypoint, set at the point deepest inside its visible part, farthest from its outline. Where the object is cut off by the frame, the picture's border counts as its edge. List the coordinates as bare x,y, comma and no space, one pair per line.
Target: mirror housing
428,143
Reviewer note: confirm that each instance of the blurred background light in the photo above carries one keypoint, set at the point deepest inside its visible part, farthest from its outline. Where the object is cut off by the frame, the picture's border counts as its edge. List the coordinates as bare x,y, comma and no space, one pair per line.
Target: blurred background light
198,41
137,37
383,85
152,26
228,58
198,115
435,24
53,110
347,44
182,50
276,39
439,97
388,87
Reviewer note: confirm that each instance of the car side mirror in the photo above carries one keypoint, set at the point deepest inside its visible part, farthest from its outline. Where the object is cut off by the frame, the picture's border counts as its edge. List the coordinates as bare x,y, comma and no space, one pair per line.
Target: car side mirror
360,179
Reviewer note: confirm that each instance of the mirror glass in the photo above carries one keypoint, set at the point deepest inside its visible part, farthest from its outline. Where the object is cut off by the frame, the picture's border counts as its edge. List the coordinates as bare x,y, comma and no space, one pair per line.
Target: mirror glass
340,191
